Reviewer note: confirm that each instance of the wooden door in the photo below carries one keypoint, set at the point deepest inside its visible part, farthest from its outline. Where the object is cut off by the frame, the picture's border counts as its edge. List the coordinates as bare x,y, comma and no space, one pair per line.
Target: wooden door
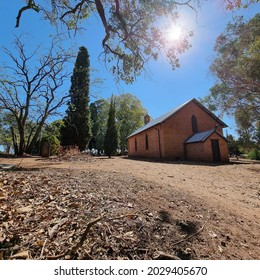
215,150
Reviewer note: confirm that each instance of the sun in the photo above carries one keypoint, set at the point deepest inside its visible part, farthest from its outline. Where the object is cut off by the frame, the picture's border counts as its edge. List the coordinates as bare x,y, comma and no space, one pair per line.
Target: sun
174,33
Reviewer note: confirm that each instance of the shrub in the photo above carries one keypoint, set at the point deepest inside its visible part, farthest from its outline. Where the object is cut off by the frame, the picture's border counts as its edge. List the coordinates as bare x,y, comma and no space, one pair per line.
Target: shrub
254,154
54,143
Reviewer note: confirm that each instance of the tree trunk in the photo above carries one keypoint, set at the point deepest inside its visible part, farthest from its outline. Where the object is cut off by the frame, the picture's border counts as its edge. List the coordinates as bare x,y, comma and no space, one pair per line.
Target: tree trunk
14,139
7,149
35,137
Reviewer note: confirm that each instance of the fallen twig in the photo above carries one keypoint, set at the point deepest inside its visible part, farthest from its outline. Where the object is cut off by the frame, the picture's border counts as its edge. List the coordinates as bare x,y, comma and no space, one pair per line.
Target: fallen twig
130,215
84,235
19,164
164,256
71,251
41,255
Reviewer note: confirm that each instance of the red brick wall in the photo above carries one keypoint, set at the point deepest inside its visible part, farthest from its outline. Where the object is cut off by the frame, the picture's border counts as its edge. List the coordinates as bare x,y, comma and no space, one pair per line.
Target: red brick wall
196,151
203,150
173,133
179,127
153,150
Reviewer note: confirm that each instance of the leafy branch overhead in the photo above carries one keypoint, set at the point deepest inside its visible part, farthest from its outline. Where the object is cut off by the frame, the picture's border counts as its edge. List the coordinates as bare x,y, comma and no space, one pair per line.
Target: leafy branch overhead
232,4
236,66
134,31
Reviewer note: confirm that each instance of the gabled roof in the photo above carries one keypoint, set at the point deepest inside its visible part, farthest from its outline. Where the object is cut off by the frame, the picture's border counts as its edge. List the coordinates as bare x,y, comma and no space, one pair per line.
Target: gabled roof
164,117
202,136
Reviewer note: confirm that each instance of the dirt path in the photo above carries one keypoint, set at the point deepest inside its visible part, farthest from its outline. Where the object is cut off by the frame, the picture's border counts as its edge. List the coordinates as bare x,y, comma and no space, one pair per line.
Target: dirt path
228,195
234,187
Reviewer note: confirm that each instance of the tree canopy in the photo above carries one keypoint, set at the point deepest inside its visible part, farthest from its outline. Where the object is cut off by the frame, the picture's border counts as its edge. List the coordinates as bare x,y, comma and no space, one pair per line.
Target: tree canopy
99,116
134,30
77,123
111,136
5,134
31,89
129,115
237,67
232,4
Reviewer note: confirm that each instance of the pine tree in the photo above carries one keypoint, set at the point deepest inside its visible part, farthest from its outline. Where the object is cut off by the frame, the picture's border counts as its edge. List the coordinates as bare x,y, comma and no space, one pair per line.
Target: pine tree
111,137
77,123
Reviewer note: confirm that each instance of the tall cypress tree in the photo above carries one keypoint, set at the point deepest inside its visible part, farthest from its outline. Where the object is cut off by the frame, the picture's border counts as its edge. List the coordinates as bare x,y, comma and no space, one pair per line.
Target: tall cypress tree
77,123
111,137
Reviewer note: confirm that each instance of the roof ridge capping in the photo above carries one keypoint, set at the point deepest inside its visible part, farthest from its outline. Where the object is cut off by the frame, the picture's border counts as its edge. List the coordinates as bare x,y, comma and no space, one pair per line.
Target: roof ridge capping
165,116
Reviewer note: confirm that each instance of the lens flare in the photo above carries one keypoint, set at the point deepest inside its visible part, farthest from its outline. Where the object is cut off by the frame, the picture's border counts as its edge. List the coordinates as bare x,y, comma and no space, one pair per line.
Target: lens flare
174,33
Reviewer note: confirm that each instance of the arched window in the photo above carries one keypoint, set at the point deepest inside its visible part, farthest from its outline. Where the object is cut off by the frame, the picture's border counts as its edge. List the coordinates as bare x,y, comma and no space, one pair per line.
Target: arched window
194,124
146,142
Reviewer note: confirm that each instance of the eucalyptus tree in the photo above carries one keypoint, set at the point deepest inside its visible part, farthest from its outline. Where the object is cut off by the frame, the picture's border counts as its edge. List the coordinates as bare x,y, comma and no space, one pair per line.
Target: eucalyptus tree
31,86
134,30
233,4
99,116
5,134
237,69
129,115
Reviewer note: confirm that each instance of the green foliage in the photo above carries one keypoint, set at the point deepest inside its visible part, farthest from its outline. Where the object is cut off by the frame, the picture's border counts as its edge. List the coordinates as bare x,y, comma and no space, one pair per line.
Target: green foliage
257,133
77,123
232,4
99,116
6,140
129,115
233,145
246,126
52,134
237,67
54,129
5,134
134,31
111,137
254,154
53,142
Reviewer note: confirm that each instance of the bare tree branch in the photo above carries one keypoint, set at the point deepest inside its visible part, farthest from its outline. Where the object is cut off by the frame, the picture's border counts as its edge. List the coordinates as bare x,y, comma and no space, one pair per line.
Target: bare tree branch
129,41
30,6
30,93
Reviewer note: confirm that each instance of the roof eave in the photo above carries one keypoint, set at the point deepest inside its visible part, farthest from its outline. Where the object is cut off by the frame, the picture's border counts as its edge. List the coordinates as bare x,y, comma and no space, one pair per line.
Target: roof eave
168,115
210,113
163,120
205,138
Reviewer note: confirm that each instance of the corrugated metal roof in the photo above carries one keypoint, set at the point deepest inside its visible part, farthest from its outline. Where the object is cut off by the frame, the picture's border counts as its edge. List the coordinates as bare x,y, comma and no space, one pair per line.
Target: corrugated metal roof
172,112
152,123
199,137
158,120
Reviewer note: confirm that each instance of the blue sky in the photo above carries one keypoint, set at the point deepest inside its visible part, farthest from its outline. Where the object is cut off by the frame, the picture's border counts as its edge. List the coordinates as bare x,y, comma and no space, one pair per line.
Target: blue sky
164,89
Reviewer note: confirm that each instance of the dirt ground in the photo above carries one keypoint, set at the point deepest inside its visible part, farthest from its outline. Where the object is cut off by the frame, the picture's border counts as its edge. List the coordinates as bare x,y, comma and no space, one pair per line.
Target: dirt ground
145,209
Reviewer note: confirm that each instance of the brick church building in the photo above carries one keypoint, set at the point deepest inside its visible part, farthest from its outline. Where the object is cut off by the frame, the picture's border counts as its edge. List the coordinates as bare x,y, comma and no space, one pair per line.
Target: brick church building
189,132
